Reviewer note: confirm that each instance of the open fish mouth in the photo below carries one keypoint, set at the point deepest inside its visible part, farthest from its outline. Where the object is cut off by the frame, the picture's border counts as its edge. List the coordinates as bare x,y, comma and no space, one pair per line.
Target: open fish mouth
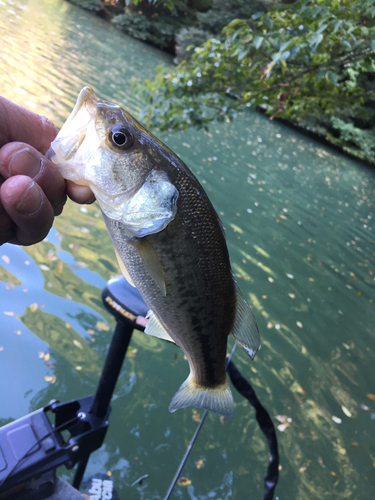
73,131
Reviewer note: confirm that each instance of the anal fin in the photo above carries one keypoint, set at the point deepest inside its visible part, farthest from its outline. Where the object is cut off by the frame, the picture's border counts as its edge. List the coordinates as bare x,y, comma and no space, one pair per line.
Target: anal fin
245,329
156,329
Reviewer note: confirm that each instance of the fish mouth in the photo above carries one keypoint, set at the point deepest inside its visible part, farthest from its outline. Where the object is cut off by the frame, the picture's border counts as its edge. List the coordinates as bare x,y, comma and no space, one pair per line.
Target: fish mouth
73,132
86,99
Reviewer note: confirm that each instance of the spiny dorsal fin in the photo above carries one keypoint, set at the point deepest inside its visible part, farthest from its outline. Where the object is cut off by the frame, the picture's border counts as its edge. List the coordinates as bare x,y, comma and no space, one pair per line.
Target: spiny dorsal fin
216,399
155,328
245,330
151,262
123,269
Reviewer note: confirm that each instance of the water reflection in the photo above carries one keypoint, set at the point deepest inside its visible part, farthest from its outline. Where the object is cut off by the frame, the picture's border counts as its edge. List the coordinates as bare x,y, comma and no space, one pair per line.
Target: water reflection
299,222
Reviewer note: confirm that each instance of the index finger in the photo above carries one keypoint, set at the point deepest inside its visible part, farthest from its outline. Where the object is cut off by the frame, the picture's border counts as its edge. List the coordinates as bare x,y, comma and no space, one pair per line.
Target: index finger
19,124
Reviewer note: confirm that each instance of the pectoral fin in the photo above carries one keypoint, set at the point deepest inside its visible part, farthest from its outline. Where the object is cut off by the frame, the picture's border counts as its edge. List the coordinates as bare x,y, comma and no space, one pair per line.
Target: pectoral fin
156,329
151,262
123,269
245,330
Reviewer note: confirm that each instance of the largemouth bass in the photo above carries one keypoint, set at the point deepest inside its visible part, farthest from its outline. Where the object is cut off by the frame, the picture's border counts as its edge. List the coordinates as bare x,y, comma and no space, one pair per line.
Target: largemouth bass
169,242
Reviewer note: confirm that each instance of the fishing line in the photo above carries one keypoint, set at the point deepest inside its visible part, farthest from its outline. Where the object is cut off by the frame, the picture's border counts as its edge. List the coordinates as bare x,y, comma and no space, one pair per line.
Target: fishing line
37,443
191,444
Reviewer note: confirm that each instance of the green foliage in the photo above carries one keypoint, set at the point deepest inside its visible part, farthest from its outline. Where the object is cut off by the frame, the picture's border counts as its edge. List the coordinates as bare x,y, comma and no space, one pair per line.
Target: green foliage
186,40
223,12
160,31
309,59
152,22
93,5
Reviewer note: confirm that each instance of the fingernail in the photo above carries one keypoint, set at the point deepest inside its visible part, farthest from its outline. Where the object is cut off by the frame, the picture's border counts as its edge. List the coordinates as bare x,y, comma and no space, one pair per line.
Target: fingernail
25,162
30,200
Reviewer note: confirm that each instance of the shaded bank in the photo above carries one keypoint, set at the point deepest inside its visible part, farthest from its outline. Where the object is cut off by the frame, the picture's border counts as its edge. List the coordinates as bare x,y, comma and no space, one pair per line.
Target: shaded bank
188,24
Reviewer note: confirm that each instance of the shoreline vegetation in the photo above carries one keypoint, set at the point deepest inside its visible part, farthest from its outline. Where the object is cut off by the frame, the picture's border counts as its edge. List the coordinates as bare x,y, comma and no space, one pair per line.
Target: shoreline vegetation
308,64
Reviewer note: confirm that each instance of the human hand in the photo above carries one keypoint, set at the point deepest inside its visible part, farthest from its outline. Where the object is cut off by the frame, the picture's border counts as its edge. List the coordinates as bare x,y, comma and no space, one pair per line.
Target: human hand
32,190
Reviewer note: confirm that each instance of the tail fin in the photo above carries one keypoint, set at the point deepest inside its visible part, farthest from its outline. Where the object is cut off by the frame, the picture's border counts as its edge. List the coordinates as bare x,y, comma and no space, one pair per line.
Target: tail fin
218,400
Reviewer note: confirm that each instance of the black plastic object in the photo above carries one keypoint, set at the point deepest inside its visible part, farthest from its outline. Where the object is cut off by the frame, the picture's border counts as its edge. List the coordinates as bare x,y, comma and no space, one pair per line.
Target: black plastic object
32,446
127,306
266,426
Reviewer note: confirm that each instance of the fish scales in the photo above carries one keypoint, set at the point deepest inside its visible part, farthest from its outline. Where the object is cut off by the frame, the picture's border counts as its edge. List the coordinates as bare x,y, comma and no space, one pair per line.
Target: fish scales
202,320
169,242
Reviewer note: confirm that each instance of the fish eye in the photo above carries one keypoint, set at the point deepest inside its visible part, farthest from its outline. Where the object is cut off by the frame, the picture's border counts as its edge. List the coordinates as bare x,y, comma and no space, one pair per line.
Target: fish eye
121,138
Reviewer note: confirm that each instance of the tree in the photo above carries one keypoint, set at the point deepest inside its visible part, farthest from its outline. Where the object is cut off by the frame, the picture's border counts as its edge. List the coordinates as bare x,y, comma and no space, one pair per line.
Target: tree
310,59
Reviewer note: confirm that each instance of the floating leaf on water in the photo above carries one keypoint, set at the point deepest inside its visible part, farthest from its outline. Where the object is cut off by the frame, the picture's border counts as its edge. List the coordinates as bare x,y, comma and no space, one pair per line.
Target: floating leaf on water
68,325
1,348
364,407
291,295
283,418
50,285
90,332
302,469
44,267
9,285
184,481
337,420
290,276
346,411
77,344
59,268
299,324
78,368
282,427
100,325
51,256
34,307
269,325
200,463
17,332
354,444
270,279
27,262
196,417
82,264
371,396
50,379
9,313
5,258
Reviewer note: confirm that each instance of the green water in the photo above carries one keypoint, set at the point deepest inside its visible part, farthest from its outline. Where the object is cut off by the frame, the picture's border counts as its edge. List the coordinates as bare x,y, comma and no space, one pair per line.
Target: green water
299,219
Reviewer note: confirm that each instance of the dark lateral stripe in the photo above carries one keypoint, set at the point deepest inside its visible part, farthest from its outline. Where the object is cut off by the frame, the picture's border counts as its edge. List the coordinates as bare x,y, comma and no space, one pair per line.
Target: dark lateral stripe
266,426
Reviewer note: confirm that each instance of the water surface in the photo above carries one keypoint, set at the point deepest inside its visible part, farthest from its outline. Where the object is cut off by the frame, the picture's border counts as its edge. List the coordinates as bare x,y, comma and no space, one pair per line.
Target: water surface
299,220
